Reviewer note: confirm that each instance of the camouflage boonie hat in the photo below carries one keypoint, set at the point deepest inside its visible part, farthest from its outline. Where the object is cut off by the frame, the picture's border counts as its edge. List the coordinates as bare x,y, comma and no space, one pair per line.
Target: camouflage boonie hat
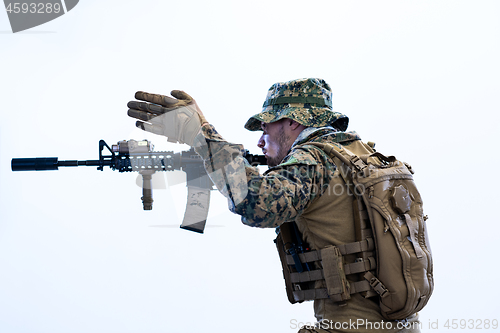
307,101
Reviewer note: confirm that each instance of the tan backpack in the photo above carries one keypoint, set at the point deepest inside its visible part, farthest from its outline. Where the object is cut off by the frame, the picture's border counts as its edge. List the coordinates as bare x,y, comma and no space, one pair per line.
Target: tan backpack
389,220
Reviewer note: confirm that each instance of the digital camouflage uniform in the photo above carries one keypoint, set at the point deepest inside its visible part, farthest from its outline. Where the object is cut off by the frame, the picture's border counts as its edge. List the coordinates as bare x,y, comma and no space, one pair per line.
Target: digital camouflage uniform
305,188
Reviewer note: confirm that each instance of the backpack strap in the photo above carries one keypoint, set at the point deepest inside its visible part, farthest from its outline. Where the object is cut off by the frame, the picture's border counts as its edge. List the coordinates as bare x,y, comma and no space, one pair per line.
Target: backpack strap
350,159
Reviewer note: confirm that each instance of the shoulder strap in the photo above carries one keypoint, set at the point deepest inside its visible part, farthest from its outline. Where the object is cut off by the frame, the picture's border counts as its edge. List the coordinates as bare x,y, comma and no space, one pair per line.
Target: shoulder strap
350,159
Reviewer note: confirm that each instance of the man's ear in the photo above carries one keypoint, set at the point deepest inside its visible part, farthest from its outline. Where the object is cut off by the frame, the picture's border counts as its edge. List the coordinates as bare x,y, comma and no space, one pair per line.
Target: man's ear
294,124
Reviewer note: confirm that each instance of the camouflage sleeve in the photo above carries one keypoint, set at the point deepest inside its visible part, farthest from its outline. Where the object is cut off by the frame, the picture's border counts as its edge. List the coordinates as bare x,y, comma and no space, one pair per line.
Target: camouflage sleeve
270,199
224,163
283,192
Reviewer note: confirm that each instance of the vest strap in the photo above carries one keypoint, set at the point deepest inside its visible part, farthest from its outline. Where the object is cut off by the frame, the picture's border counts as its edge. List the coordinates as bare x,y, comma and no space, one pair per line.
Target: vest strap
322,293
309,294
349,248
315,275
360,266
307,276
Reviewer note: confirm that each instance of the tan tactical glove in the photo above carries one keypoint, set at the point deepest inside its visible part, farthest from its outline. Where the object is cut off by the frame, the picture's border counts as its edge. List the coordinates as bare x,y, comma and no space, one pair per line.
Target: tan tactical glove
179,118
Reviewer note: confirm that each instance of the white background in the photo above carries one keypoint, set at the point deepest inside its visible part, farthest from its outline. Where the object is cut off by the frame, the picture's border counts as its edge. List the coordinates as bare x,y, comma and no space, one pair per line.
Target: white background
78,253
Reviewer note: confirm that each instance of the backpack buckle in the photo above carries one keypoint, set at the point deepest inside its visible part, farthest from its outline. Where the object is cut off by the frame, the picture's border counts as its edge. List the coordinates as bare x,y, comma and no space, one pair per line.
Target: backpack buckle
358,163
377,285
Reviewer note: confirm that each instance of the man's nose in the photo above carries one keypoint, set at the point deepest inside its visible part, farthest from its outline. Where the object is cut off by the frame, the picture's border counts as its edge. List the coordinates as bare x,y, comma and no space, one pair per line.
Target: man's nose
261,142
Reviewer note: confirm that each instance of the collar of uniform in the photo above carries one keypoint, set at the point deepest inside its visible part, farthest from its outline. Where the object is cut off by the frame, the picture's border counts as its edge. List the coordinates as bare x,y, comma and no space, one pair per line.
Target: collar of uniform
309,131
321,134
325,134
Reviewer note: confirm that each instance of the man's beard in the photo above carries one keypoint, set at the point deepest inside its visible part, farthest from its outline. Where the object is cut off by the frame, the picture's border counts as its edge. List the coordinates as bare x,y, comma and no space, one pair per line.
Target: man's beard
283,148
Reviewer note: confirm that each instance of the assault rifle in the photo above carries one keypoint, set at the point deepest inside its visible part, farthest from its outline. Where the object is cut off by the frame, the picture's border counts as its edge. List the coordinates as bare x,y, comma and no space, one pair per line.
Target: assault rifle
139,156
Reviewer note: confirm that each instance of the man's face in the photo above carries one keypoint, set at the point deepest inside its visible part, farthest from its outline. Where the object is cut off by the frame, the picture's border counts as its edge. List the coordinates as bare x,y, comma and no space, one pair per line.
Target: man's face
274,142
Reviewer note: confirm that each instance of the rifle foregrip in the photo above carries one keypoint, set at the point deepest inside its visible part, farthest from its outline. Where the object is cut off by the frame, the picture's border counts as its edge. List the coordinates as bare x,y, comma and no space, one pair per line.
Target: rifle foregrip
147,192
34,164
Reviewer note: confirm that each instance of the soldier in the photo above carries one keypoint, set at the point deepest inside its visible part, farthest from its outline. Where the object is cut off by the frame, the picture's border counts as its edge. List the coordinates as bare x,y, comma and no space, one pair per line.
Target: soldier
301,186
